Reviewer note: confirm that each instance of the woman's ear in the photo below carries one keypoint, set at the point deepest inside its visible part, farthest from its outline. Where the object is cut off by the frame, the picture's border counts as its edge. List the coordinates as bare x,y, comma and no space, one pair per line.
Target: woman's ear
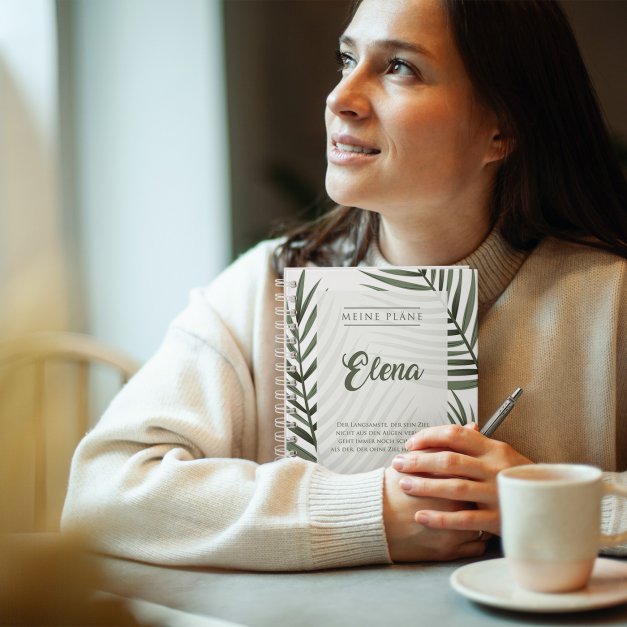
501,146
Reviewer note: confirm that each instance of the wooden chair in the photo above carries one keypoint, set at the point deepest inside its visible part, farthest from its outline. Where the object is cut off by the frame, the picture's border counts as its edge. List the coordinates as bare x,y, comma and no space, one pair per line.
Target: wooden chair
25,363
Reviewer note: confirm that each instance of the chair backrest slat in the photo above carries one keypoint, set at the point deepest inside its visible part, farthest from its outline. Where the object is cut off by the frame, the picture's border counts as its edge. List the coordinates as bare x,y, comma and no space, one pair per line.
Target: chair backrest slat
83,396
41,458
31,354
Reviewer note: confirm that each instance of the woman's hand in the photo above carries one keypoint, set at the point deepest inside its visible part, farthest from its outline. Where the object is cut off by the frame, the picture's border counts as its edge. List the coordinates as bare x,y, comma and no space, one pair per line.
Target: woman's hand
411,542
456,463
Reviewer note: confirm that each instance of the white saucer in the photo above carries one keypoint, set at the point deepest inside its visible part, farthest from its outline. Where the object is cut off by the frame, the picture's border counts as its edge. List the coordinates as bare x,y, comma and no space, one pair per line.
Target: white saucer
490,582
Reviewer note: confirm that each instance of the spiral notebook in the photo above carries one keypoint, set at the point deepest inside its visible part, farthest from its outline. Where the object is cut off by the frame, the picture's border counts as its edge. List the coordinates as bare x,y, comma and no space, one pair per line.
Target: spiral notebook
368,356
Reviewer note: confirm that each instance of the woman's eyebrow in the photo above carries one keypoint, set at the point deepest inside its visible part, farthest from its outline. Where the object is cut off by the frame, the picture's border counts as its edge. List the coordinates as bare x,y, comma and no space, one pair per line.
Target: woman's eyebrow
396,44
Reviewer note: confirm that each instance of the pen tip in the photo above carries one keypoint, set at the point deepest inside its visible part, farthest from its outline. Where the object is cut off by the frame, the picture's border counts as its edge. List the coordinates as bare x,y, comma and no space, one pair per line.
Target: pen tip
516,393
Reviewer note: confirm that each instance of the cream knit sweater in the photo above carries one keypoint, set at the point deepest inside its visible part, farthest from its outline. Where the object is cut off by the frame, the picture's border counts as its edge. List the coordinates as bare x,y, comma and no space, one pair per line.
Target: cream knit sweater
178,471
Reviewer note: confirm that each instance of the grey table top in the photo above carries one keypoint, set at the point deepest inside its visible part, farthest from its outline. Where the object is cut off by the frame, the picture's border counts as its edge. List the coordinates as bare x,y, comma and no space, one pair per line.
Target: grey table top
417,594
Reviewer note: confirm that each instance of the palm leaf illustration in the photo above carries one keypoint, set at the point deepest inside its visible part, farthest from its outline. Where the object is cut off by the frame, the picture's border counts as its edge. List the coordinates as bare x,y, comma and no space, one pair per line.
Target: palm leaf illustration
299,409
301,452
462,321
406,285
457,414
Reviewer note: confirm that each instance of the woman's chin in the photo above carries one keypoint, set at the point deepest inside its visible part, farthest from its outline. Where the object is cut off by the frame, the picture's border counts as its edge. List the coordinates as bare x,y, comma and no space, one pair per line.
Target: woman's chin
342,195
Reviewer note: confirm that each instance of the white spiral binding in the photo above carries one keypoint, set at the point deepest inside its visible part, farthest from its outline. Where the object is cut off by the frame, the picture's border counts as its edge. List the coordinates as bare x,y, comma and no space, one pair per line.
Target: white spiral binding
281,423
280,451
281,325
290,298
279,436
280,298
281,283
280,353
282,409
280,395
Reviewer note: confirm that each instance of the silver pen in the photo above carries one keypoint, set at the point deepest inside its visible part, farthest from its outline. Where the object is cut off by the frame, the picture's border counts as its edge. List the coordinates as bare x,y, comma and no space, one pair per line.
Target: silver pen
499,415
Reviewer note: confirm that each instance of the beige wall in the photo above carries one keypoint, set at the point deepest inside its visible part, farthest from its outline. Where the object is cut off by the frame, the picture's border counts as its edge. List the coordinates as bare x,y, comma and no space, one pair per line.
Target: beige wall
280,65
601,30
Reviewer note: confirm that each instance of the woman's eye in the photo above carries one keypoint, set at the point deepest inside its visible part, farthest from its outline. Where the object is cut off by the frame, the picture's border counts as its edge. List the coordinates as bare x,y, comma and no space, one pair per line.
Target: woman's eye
400,68
344,60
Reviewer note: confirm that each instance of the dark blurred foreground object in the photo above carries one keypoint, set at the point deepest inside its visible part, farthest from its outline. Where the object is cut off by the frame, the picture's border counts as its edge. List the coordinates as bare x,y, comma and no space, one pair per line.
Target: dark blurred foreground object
48,579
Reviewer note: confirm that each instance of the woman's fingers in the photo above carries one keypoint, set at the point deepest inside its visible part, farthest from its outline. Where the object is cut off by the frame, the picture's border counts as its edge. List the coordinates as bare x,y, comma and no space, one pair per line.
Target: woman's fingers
444,463
409,541
454,437
476,519
456,464
454,489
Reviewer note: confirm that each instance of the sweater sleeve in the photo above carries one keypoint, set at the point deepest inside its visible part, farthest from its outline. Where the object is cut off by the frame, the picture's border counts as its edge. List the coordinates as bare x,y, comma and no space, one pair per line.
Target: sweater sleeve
168,475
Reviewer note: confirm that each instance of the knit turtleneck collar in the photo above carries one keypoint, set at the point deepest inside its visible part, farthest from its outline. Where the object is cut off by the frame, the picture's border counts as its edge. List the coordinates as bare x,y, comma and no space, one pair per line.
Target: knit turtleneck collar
496,261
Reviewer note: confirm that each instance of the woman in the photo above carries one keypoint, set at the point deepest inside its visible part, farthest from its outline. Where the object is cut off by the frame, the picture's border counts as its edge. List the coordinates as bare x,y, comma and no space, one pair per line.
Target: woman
460,132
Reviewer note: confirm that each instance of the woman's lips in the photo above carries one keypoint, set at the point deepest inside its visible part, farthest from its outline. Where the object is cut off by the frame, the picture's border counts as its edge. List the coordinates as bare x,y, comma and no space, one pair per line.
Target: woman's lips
346,149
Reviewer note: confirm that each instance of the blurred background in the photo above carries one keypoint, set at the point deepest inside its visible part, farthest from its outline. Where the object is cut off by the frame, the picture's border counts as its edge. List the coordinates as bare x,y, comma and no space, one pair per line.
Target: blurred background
146,143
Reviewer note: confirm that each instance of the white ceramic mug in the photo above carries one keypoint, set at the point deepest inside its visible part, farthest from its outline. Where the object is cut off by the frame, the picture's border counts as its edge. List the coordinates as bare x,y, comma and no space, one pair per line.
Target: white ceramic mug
550,519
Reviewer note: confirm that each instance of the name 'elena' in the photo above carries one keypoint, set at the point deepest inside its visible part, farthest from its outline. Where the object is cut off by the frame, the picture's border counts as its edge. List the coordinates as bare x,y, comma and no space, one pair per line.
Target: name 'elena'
361,370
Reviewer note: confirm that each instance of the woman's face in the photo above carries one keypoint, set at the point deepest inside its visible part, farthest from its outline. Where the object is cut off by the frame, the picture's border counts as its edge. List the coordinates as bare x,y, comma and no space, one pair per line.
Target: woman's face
403,128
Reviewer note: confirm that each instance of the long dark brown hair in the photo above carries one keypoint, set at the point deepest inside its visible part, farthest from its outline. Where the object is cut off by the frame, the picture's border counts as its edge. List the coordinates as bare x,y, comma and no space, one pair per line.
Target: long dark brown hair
561,179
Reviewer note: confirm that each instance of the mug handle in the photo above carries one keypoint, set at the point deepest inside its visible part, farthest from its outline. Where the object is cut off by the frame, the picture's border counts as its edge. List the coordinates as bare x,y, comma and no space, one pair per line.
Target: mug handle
617,538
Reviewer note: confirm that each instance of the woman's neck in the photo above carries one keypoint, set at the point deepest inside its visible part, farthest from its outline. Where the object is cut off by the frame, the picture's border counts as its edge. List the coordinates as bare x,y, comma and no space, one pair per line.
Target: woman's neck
430,243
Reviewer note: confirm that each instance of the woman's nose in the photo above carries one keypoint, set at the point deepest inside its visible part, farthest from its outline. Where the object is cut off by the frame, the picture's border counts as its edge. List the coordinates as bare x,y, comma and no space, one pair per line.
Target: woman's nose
350,98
